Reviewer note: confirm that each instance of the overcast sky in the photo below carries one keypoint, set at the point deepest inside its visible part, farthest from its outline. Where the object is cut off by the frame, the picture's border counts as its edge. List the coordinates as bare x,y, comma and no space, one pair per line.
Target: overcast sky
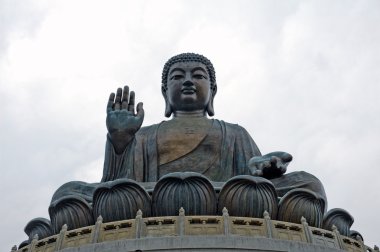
300,76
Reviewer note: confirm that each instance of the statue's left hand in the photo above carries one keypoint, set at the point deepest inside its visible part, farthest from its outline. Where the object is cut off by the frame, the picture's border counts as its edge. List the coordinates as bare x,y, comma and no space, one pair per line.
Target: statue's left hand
271,165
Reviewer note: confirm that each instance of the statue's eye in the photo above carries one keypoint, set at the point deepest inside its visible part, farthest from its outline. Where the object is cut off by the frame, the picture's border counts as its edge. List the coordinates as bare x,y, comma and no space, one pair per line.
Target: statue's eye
176,77
199,76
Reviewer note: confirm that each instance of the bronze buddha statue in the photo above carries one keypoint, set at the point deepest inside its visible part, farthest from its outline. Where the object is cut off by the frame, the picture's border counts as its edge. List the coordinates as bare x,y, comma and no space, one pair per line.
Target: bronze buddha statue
190,141
190,146
201,165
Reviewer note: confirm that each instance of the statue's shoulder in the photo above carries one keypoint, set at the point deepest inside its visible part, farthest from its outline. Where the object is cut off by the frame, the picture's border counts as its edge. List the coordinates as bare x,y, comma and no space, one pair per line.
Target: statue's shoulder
232,127
235,132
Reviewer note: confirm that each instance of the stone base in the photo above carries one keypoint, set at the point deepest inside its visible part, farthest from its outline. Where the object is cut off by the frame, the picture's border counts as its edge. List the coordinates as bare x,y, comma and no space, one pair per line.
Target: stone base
196,233
201,244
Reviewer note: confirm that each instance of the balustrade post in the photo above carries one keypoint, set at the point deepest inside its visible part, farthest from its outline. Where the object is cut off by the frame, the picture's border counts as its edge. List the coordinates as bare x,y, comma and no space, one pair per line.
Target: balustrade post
338,236
61,238
96,230
33,244
181,222
139,224
307,231
268,224
226,221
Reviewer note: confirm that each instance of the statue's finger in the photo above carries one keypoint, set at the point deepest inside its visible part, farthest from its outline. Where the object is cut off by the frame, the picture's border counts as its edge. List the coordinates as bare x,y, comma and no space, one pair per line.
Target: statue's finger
118,95
118,99
287,157
110,102
273,160
131,105
264,165
124,103
140,111
283,169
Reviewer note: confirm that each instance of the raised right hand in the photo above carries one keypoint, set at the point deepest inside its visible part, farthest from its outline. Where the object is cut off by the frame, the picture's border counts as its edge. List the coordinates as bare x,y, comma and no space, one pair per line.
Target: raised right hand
122,121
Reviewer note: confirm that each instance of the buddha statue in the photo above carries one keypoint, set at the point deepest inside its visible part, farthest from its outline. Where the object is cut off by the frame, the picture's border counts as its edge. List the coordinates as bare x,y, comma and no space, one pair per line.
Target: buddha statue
189,141
190,145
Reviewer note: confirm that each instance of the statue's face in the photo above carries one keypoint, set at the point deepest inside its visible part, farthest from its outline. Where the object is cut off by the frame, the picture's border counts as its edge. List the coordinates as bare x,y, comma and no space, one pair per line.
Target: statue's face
188,86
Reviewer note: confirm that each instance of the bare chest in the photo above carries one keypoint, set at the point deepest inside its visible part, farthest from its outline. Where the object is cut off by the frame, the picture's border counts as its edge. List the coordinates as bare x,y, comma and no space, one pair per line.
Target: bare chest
177,138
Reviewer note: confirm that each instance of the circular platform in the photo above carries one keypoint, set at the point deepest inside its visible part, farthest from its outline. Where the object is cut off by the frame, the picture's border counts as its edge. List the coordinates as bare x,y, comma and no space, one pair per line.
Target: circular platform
196,233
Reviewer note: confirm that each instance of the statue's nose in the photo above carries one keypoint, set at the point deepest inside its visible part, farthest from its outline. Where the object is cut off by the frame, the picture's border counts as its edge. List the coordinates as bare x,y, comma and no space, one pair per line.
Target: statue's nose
187,83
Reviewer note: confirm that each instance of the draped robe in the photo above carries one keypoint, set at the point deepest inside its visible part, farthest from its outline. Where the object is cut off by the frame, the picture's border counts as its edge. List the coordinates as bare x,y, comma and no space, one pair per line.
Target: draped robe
140,159
220,152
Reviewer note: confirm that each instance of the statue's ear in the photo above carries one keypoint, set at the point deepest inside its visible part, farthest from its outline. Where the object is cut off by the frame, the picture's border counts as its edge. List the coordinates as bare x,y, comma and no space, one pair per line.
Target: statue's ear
168,109
210,105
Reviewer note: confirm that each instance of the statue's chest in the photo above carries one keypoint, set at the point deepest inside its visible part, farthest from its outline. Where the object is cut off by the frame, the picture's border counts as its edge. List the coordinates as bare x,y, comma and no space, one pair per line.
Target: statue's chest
179,138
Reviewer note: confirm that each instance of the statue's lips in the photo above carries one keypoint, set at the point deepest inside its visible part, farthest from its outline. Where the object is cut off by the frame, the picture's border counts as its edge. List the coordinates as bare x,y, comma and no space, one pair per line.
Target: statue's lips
188,90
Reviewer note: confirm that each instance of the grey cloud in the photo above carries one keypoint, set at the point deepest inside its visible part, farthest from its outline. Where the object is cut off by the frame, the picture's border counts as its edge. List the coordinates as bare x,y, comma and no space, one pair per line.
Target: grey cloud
18,19
299,76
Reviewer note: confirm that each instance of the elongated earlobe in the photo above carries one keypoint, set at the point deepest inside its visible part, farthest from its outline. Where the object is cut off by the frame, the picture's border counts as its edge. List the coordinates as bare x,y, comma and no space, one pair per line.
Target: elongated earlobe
168,109
210,108
210,105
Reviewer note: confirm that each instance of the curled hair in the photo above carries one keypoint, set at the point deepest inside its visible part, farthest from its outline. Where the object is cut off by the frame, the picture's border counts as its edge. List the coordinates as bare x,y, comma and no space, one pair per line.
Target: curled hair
187,57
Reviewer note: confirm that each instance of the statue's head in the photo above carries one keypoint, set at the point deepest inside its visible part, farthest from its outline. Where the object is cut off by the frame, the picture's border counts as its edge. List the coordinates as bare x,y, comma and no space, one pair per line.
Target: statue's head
188,84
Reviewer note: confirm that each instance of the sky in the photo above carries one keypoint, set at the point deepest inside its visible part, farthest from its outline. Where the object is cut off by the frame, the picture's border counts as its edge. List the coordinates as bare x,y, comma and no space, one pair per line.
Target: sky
300,76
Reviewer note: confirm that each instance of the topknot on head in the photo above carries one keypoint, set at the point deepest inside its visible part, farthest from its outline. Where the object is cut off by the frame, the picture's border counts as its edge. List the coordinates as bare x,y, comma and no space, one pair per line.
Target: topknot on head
188,57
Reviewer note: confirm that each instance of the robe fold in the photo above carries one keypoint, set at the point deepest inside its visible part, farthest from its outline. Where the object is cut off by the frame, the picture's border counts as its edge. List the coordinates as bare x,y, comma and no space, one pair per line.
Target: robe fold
139,161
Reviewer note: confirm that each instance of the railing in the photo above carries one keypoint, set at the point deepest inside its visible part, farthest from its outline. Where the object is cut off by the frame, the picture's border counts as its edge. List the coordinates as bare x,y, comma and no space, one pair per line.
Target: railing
182,225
